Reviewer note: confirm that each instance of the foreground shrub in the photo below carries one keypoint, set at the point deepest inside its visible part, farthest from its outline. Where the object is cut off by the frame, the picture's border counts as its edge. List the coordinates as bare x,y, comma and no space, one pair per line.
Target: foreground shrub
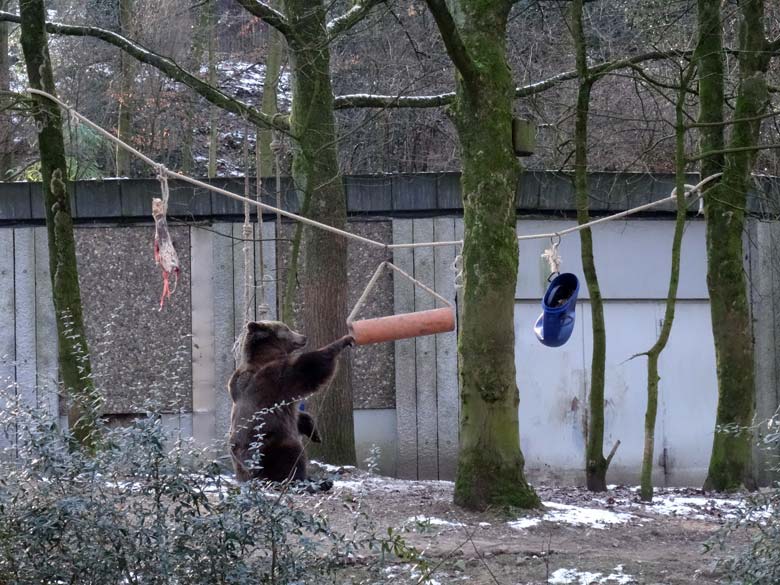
141,511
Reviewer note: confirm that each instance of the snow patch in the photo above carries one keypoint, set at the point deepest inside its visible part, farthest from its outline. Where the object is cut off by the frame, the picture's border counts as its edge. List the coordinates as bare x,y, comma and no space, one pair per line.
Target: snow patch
524,523
578,516
433,521
577,577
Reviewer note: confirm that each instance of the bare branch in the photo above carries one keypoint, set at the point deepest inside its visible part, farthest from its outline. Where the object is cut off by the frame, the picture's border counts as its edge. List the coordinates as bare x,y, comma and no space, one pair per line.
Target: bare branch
364,100
452,41
269,15
167,66
350,18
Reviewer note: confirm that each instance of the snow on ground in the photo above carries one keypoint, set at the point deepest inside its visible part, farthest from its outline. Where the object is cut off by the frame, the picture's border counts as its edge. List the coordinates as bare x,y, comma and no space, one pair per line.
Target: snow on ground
432,521
575,516
576,577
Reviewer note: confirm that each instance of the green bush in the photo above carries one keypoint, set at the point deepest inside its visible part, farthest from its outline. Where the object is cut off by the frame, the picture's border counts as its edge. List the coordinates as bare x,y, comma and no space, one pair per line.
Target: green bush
758,563
142,512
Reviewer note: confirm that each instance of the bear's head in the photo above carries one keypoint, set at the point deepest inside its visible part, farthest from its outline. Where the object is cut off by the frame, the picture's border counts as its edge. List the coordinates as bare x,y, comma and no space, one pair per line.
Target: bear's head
269,339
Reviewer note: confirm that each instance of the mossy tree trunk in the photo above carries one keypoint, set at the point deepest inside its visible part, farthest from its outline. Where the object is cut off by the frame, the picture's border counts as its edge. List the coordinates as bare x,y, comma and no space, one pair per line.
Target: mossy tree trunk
274,52
209,17
596,464
654,353
730,462
6,144
490,463
127,67
73,355
323,273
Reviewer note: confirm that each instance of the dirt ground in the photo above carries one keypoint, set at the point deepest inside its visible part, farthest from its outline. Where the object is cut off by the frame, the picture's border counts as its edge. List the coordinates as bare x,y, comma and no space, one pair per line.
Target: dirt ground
579,538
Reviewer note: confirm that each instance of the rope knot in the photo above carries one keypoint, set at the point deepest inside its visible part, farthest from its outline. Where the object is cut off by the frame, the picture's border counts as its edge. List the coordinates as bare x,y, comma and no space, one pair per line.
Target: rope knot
551,255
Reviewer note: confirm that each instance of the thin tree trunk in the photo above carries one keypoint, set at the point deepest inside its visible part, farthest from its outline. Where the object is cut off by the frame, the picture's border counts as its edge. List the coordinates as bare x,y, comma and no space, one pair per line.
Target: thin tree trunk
730,463
323,273
490,462
6,150
73,355
210,17
274,53
127,83
596,464
653,355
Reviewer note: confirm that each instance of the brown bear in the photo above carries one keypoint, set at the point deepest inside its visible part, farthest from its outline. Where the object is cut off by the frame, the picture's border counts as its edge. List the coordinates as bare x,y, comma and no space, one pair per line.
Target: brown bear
265,423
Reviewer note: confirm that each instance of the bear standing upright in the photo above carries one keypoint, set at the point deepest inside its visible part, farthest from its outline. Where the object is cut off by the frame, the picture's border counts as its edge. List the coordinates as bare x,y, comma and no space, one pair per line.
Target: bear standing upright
265,423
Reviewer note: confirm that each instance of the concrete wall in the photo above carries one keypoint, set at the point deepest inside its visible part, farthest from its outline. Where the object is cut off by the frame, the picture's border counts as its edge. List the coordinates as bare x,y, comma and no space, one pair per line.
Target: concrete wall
406,394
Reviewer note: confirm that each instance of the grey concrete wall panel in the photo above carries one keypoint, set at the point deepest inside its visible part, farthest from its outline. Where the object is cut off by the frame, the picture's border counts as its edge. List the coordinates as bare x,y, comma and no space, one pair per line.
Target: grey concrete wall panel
414,192
24,301
36,201
448,195
556,192
372,365
137,195
15,201
224,205
447,388
377,427
764,283
425,358
224,326
633,259
405,373
140,354
204,386
7,327
553,400
528,190
47,368
369,193
98,199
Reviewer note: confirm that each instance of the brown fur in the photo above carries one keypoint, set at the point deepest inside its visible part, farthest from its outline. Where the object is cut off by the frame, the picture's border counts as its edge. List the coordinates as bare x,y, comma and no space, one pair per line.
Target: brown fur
270,375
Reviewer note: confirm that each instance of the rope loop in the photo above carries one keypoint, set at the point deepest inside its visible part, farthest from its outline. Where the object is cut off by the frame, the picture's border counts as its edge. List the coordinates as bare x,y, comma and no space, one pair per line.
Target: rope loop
552,256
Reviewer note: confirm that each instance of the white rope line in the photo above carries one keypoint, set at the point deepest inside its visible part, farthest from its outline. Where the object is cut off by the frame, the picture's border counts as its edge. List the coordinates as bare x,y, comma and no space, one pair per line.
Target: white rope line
335,230
386,264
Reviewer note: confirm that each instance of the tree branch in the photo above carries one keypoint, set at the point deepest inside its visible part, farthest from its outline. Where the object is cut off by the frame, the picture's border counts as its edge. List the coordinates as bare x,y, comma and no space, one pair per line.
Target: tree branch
167,66
364,100
269,14
350,18
452,41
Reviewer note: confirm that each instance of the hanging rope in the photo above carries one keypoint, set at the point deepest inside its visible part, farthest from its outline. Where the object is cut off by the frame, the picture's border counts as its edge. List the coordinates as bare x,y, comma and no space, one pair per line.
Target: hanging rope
695,190
552,256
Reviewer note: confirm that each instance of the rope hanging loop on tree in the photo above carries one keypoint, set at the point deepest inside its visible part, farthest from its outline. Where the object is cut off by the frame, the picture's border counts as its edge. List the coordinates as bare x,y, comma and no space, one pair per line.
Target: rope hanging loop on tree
164,252
552,257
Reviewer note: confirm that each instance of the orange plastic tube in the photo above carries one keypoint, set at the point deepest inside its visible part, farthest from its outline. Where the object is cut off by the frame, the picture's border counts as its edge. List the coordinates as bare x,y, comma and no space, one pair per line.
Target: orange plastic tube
403,326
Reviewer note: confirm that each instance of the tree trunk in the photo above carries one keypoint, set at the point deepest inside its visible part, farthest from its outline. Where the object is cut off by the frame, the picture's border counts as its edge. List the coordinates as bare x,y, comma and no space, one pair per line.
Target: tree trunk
273,65
6,145
490,462
210,17
323,273
73,355
653,355
595,463
127,68
730,463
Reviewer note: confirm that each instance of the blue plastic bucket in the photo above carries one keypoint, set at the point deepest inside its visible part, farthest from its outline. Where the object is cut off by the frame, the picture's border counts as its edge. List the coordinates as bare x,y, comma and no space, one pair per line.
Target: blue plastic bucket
556,323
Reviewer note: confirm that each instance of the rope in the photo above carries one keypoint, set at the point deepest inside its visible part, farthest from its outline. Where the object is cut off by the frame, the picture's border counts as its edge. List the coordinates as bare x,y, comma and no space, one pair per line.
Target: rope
313,223
362,300
552,256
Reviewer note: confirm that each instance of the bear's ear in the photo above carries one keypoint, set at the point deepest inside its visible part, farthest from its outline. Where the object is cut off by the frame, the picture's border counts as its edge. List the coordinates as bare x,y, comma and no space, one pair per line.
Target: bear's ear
253,327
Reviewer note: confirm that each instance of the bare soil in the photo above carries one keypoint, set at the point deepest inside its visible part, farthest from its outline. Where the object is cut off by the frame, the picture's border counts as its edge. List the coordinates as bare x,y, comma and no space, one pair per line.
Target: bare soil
657,544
